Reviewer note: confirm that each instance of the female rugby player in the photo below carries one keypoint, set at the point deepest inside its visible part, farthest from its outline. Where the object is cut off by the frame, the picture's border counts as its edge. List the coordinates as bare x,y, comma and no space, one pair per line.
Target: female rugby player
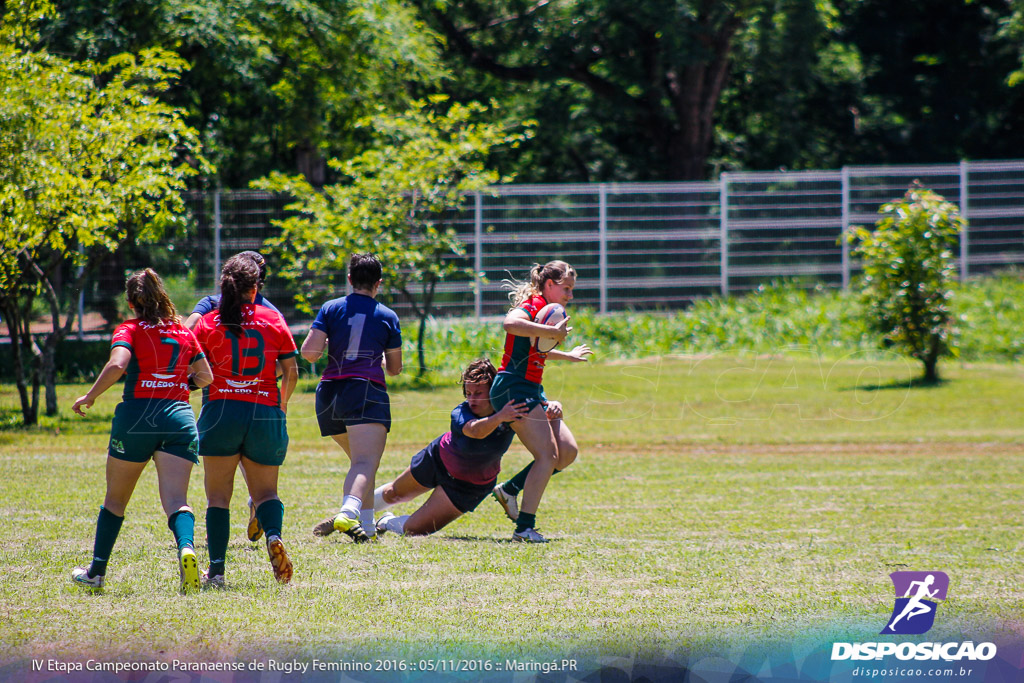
352,404
461,465
161,361
519,379
244,417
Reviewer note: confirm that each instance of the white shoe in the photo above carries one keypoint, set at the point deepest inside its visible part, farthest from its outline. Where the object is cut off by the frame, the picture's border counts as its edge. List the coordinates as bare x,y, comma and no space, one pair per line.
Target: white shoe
382,523
528,536
80,575
507,502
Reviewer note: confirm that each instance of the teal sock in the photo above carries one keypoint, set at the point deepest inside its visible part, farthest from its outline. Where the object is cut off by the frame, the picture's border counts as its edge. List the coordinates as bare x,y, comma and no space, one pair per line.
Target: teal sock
271,516
516,484
217,531
526,521
183,525
108,526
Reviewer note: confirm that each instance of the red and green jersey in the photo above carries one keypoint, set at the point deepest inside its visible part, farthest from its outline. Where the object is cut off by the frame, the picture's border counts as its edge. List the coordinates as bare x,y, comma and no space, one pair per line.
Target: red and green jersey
520,357
161,355
245,368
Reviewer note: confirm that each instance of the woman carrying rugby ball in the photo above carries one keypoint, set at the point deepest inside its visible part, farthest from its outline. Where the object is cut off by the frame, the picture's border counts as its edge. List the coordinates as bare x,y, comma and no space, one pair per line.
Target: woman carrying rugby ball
519,379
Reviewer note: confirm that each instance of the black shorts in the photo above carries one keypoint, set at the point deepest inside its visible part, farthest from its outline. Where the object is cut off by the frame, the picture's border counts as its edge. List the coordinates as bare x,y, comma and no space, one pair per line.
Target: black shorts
428,470
342,403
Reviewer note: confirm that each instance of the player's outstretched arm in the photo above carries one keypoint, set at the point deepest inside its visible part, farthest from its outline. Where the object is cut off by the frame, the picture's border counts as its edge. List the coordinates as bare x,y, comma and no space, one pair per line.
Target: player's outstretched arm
483,426
111,372
580,354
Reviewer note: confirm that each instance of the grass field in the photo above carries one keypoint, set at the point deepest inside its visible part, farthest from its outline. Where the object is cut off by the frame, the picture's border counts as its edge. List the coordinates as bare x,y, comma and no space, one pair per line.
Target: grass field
717,501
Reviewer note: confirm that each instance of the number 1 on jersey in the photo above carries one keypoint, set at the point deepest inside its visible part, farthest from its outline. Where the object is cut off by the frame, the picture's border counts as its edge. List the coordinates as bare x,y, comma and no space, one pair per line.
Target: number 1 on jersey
355,335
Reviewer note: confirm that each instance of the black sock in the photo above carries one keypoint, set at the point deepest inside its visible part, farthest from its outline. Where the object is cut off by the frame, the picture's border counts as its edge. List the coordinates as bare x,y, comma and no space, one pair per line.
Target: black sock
526,521
218,528
271,516
108,526
515,485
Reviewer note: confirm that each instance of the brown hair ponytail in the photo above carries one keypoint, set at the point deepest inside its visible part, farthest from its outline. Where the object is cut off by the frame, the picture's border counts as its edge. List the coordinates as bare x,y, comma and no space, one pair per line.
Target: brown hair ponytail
239,276
148,297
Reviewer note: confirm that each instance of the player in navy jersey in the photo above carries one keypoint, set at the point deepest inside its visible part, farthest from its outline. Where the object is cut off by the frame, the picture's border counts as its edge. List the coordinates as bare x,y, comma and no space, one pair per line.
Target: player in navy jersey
209,303
551,443
161,360
243,419
462,465
359,334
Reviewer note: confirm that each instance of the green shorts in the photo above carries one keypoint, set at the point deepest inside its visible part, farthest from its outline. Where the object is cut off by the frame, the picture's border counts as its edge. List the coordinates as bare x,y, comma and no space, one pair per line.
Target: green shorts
507,387
258,432
143,426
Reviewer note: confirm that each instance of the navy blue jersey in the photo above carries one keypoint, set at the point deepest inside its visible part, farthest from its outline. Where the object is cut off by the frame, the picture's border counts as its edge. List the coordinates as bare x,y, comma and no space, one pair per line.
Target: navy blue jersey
359,329
477,461
212,303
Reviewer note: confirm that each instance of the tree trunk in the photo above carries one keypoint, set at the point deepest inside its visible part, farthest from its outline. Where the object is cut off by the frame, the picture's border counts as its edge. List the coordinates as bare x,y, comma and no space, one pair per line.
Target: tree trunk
931,361
13,319
428,306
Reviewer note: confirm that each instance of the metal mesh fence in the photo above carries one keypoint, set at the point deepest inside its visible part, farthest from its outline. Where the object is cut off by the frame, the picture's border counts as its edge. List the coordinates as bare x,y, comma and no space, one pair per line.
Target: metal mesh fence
639,246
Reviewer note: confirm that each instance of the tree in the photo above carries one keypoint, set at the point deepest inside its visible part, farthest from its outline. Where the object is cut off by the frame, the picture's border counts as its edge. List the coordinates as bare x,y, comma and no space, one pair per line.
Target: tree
644,78
273,85
392,202
89,155
909,267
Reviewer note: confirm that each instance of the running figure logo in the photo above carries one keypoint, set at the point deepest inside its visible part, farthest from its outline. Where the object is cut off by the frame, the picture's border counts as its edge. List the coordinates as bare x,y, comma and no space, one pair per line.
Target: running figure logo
917,596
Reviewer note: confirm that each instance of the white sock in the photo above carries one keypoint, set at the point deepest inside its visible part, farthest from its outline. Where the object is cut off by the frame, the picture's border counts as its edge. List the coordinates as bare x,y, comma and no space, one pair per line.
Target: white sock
396,525
366,520
350,506
378,499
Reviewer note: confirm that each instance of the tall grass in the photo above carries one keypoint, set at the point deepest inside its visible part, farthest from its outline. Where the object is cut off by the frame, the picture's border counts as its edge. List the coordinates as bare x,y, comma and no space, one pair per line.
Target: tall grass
782,317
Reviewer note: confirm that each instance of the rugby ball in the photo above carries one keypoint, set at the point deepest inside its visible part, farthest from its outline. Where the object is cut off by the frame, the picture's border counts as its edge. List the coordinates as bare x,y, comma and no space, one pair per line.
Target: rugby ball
552,314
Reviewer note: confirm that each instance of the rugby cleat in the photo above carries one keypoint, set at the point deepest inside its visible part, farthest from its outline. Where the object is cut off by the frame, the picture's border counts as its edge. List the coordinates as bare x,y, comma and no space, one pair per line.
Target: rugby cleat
188,569
254,530
507,502
80,575
528,536
351,528
279,559
382,523
325,527
215,581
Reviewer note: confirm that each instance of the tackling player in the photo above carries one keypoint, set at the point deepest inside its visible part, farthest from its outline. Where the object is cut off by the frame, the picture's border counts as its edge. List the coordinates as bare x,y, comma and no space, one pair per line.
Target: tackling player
461,465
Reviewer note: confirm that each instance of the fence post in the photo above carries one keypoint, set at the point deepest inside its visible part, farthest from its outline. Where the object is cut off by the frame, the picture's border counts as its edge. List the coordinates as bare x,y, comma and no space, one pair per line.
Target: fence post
723,201
478,254
216,239
845,245
81,299
602,238
964,237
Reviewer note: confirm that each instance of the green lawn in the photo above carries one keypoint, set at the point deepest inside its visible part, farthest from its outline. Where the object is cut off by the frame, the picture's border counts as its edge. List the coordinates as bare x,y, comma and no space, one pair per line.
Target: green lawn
716,501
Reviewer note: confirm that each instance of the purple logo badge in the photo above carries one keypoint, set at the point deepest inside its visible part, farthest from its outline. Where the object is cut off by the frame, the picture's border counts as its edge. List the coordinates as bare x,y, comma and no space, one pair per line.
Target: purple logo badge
917,598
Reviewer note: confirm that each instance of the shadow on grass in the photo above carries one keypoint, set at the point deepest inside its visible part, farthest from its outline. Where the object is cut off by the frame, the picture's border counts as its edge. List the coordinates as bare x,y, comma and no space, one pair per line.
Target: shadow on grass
487,539
916,383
